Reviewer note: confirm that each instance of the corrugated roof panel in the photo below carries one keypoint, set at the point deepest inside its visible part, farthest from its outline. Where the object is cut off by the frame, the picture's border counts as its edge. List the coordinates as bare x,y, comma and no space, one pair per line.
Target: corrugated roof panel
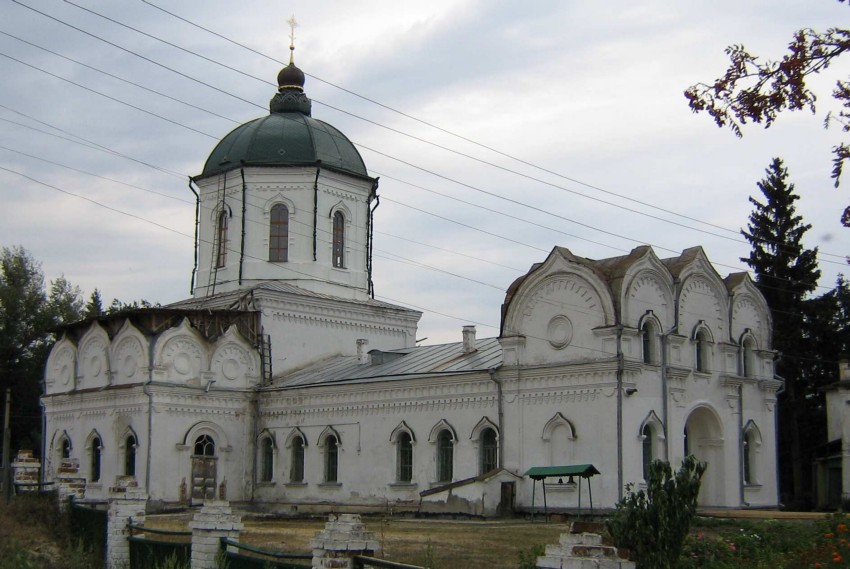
421,360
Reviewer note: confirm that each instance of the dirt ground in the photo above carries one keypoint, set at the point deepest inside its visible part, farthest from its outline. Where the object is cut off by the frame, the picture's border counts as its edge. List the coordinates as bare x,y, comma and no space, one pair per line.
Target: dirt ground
442,544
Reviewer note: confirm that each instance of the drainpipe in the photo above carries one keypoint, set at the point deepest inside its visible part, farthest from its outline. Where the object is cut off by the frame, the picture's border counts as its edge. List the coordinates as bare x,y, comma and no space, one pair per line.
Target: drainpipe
741,444
197,221
620,370
242,244
369,238
779,392
492,372
315,210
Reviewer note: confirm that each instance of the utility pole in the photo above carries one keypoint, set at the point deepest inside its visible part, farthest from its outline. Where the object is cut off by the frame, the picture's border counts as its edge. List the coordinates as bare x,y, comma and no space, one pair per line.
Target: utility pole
7,443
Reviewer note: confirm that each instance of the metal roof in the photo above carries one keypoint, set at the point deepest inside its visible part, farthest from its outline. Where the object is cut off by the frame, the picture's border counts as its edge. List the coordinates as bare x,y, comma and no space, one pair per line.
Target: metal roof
282,287
583,470
285,139
401,364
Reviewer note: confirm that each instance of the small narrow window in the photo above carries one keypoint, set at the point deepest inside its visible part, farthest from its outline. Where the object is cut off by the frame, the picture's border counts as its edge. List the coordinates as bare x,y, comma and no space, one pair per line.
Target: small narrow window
489,451
66,448
445,457
279,233
204,446
296,469
748,470
701,351
130,456
647,450
267,460
647,333
331,459
405,458
747,358
339,240
686,444
221,240
96,456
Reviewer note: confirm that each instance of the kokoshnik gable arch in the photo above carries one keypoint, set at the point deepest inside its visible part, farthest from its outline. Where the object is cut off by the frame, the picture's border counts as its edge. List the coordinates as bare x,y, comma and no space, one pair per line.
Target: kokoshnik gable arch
283,383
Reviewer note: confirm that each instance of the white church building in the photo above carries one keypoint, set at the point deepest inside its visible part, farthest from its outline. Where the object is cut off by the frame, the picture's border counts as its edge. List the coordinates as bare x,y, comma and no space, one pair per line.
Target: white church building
284,385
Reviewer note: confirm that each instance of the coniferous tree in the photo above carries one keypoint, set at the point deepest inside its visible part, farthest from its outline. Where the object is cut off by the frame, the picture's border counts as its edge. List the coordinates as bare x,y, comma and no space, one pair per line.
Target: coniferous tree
94,307
786,273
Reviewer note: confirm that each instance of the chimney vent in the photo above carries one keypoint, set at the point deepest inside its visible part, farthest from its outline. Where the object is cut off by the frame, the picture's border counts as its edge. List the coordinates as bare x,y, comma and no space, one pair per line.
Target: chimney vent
468,339
362,354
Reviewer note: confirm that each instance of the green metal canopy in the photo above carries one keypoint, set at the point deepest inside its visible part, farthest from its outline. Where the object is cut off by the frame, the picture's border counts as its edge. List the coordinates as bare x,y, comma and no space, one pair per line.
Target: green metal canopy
543,472
582,470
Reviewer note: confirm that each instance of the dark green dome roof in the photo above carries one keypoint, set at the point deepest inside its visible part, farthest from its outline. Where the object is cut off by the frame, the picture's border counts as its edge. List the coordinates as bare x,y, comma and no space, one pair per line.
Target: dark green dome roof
285,139
289,136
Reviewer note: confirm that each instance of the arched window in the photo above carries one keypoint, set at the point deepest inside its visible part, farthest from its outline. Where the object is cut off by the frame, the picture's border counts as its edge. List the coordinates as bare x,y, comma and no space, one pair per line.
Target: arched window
701,351
130,455
296,468
339,240
489,451
331,459
445,456
279,233
266,459
204,446
404,451
647,449
65,448
747,363
648,342
221,240
95,456
686,443
750,441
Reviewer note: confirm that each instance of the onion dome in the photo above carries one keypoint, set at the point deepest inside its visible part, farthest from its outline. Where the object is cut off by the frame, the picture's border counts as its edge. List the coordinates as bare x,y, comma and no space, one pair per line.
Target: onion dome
288,136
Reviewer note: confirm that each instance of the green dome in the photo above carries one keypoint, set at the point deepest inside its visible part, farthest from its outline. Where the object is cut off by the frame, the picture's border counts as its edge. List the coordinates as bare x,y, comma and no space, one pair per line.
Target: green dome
285,139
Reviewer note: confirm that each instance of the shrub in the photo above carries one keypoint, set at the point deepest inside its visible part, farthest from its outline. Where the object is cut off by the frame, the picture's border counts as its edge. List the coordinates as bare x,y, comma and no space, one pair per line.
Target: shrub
528,557
653,523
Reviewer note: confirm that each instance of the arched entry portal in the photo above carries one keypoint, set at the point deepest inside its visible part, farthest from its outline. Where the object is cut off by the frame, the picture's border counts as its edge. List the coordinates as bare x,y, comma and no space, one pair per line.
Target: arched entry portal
704,439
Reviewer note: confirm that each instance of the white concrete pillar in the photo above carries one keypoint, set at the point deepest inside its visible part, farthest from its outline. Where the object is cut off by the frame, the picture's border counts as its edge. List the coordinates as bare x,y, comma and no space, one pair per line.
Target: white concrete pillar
68,482
25,470
215,521
344,537
124,503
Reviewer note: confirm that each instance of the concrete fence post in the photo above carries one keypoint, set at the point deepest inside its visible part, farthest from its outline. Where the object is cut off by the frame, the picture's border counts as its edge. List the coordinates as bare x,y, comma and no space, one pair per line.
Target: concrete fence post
25,471
215,521
68,482
124,503
580,549
344,537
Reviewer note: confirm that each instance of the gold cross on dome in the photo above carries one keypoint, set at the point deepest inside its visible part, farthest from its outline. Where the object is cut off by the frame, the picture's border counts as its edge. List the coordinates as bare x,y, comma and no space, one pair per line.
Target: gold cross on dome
292,25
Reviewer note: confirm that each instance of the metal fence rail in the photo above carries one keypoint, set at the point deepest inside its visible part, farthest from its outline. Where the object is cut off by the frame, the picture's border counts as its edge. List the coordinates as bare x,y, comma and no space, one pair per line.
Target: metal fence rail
146,552
364,562
88,524
262,558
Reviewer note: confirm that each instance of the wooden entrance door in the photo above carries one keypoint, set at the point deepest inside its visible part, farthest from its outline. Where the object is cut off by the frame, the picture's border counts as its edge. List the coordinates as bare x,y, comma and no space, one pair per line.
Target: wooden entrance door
203,477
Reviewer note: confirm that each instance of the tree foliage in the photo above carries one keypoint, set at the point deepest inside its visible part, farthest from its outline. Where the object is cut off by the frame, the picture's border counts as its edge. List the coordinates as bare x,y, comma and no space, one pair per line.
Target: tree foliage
755,90
653,523
786,272
29,312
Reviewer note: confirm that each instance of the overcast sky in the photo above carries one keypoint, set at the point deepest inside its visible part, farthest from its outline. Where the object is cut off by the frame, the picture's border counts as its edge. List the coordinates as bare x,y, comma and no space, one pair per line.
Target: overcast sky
570,114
